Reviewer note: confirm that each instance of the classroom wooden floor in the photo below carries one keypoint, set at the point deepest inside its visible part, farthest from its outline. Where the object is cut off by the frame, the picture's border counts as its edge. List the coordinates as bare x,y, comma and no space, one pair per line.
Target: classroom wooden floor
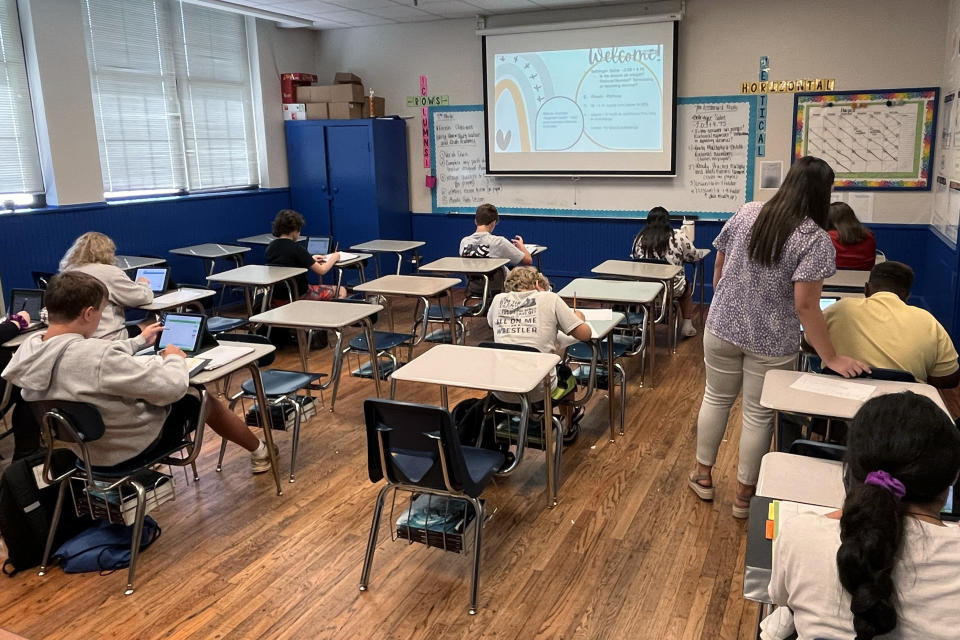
629,552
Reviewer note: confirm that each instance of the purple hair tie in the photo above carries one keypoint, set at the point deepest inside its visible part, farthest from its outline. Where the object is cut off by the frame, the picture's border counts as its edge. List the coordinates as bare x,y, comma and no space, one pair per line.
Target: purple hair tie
886,481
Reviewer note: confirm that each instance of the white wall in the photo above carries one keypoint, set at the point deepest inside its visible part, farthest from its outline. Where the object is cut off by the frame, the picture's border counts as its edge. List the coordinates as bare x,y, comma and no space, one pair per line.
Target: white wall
63,104
864,44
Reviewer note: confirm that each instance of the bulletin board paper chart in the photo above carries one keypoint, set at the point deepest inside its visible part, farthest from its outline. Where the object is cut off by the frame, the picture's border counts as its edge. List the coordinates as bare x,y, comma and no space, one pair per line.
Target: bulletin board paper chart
872,139
715,169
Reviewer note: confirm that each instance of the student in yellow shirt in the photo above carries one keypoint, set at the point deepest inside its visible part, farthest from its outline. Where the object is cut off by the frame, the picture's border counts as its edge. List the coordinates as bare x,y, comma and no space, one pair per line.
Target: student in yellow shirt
884,331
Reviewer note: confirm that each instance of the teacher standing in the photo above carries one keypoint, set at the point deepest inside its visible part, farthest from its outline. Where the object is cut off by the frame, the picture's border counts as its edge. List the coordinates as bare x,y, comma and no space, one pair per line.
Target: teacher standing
771,262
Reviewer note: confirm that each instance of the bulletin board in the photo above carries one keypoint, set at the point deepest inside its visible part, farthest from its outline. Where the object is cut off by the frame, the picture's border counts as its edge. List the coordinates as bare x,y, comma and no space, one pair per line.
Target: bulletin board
873,140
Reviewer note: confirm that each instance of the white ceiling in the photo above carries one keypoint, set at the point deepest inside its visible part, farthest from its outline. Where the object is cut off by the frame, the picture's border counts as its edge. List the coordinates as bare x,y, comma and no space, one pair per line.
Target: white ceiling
339,14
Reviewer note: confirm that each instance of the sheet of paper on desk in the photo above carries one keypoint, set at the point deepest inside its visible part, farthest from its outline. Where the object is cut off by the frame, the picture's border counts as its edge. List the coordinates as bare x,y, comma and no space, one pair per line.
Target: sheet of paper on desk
596,314
833,386
532,248
782,511
346,255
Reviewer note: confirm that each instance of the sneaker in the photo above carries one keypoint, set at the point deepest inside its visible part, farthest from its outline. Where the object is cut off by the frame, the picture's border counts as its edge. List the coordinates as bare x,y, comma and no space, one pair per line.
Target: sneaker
260,464
564,387
688,332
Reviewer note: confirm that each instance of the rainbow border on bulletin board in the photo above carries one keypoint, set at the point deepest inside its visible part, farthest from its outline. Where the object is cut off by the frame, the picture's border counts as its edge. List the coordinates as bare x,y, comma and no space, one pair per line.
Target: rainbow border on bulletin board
609,213
931,95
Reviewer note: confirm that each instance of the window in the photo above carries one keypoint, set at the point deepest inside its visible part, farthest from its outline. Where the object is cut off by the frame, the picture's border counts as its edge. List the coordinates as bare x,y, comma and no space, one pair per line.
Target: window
20,178
172,97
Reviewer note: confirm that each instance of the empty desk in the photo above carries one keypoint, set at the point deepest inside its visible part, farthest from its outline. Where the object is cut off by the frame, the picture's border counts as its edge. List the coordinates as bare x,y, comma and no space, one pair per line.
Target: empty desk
356,261
664,273
211,252
178,299
253,276
304,315
398,247
259,239
846,279
414,286
129,263
499,370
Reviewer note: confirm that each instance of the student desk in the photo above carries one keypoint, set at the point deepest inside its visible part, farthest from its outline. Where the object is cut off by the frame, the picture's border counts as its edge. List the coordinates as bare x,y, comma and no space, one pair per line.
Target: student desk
357,262
255,275
846,279
20,338
210,252
701,276
129,263
505,371
621,292
482,267
248,361
304,315
601,330
784,477
664,273
260,239
536,253
414,286
397,247
779,396
177,299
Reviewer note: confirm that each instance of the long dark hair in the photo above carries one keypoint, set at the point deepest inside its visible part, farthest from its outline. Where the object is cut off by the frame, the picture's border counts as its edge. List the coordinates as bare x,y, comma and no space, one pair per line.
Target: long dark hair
655,236
844,221
805,193
912,439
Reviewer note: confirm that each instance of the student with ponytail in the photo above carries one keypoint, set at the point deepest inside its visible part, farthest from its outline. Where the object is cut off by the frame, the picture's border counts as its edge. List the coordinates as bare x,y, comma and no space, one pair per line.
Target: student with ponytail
885,566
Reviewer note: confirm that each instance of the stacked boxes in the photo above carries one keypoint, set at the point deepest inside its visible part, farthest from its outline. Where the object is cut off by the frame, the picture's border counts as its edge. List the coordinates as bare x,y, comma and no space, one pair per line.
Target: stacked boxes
345,99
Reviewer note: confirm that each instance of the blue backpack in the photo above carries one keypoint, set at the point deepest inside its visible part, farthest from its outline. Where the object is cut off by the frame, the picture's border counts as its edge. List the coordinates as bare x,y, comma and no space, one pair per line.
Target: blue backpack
104,547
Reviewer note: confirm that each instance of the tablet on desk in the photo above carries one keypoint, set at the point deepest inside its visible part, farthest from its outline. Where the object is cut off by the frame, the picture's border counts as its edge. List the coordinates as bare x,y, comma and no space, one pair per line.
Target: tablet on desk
29,300
826,301
184,330
158,277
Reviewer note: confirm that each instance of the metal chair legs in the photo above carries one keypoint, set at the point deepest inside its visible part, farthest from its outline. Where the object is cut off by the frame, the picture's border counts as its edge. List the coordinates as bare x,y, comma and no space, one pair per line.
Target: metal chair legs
54,521
618,369
372,540
137,534
475,579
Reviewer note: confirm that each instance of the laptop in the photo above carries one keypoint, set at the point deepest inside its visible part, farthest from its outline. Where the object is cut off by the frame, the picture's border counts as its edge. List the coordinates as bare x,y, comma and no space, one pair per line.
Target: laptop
826,301
320,245
158,277
29,300
189,332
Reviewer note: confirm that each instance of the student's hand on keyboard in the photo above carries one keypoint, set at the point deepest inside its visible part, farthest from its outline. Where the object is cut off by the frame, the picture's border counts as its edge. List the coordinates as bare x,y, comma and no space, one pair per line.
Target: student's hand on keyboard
173,350
846,366
151,332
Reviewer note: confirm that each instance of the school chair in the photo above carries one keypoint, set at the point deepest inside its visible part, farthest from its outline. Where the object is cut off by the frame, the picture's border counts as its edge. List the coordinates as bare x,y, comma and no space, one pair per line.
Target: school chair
587,358
41,278
280,388
78,424
664,311
415,448
822,450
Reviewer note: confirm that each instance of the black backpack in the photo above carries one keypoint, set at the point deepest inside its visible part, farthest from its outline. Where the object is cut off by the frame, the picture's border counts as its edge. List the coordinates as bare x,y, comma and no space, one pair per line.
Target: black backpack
467,417
26,510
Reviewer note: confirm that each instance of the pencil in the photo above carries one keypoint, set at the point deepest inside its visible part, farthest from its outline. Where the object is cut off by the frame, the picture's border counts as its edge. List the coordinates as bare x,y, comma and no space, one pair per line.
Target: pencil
574,300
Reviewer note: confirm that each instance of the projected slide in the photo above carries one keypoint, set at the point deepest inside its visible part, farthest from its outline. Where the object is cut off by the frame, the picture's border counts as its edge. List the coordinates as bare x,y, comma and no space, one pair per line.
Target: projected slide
597,99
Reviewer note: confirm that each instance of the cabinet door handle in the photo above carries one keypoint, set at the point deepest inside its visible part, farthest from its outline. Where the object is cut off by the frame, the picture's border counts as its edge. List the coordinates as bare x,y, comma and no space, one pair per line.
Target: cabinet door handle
336,189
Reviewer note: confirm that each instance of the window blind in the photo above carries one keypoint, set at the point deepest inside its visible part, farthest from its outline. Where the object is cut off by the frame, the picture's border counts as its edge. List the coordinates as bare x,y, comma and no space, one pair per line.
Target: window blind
20,175
172,97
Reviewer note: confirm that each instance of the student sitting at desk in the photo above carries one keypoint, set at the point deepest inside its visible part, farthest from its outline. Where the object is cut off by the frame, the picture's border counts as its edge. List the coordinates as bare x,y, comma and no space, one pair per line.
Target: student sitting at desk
856,247
483,244
885,565
659,241
142,399
771,261
26,431
94,253
529,314
286,251
884,331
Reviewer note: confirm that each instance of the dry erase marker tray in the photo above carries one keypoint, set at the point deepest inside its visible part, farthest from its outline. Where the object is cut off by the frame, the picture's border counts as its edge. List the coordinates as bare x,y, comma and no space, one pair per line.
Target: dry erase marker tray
437,521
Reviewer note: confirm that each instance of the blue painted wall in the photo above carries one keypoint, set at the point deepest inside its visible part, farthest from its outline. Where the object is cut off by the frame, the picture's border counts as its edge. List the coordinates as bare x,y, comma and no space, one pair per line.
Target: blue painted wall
576,245
38,239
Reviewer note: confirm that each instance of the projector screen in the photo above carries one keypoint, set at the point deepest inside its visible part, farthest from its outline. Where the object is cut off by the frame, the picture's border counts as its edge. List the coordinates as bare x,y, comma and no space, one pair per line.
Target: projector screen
590,101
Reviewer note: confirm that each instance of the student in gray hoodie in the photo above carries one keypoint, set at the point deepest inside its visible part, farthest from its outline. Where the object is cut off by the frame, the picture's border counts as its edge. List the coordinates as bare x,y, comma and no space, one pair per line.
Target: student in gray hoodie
140,398
95,253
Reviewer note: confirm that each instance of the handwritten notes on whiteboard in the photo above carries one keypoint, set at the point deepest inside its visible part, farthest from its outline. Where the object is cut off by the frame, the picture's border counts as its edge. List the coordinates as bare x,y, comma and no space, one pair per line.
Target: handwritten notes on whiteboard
461,162
715,161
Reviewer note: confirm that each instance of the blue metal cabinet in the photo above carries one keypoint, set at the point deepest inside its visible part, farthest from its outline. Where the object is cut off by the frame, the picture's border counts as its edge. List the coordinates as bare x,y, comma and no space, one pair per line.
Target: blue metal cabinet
349,178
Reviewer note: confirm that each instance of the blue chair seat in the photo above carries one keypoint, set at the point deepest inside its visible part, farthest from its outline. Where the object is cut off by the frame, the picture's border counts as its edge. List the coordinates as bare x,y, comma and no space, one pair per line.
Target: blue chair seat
443,313
481,463
382,340
581,350
220,324
631,320
277,382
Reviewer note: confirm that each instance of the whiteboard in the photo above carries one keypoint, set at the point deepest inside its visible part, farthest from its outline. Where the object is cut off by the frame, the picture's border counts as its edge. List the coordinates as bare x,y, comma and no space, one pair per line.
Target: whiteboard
715,164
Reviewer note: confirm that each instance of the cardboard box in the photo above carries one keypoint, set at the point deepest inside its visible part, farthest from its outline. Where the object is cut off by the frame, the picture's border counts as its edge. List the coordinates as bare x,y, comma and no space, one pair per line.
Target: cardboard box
317,111
316,93
379,106
346,93
345,110
342,77
294,111
289,83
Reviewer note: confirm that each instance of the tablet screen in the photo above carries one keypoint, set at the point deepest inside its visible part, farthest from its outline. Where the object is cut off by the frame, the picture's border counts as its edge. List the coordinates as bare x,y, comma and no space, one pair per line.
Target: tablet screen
318,245
826,302
951,508
181,330
27,300
156,276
